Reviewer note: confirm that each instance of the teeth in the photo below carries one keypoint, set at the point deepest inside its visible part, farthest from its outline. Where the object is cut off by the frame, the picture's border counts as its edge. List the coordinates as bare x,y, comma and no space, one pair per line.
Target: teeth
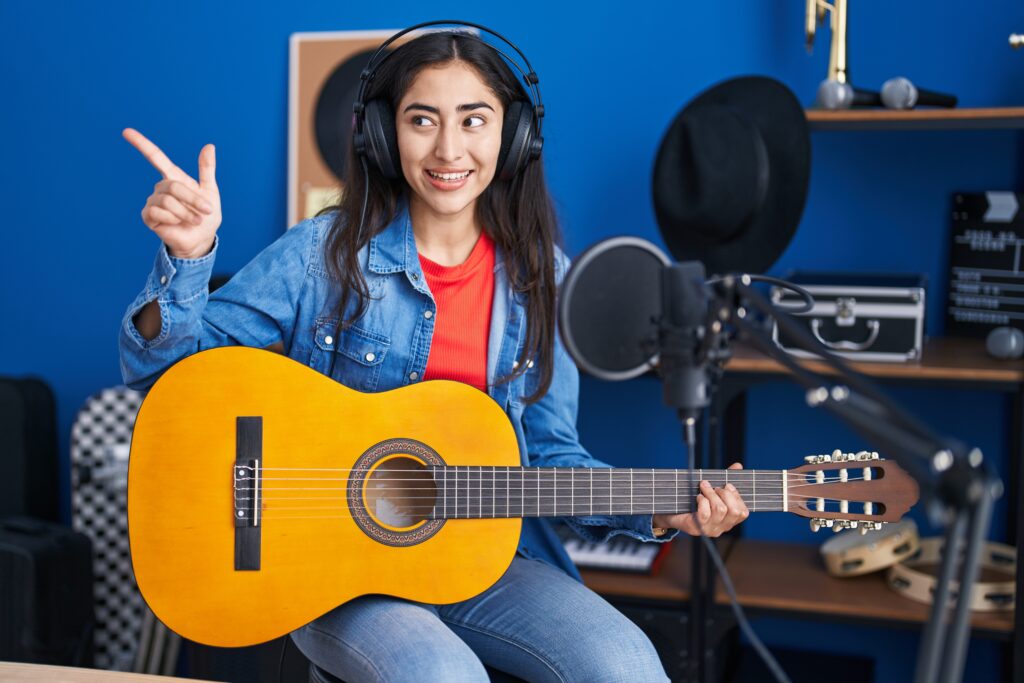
449,176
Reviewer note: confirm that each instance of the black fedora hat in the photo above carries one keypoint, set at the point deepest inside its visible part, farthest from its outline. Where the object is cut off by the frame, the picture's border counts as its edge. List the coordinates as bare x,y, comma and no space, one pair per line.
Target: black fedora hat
731,175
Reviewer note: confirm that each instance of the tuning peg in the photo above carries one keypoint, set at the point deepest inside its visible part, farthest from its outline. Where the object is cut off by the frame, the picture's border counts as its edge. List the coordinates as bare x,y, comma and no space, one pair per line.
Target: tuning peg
863,529
817,459
878,526
818,523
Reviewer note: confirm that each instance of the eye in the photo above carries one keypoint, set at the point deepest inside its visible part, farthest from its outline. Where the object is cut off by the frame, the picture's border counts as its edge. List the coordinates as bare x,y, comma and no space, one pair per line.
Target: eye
421,121
475,121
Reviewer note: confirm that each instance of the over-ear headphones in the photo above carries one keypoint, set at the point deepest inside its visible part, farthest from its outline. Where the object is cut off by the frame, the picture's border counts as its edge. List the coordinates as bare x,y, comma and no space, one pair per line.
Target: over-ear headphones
374,136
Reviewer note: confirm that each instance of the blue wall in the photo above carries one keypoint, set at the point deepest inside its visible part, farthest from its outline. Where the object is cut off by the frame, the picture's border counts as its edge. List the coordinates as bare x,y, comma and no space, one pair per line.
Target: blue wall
613,76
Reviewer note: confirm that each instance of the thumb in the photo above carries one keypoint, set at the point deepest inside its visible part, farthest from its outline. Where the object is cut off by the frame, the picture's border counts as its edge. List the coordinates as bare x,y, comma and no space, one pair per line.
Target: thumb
208,166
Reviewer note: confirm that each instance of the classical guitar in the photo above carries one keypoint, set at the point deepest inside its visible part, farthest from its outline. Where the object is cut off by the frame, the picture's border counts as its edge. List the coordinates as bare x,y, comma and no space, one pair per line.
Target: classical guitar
262,494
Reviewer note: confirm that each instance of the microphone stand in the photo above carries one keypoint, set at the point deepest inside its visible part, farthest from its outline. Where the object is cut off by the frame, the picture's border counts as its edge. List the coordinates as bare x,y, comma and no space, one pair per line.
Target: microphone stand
956,483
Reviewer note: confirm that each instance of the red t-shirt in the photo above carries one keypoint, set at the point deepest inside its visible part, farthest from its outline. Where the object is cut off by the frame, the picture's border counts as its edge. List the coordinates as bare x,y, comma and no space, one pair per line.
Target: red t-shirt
462,323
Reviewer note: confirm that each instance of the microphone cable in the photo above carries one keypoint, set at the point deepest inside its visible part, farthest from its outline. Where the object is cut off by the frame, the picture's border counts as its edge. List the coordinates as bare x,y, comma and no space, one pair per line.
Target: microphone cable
808,298
741,618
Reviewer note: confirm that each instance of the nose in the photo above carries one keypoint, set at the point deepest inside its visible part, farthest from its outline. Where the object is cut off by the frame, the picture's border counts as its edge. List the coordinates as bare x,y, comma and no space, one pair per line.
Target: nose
450,146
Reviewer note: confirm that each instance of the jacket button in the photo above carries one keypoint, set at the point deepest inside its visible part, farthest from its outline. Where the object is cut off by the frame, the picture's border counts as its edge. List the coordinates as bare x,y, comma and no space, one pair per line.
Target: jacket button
428,314
369,357
414,375
328,340
529,364
515,364
163,279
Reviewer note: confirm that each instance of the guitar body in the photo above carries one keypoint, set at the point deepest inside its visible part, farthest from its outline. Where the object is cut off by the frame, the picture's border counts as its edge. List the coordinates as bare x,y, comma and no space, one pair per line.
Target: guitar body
182,495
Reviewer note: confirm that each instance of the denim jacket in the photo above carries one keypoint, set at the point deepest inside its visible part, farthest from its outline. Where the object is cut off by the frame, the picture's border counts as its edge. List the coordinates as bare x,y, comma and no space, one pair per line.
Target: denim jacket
285,295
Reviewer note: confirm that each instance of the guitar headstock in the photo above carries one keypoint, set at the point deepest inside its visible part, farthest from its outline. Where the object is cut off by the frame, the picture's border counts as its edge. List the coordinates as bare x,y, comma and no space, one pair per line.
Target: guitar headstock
850,491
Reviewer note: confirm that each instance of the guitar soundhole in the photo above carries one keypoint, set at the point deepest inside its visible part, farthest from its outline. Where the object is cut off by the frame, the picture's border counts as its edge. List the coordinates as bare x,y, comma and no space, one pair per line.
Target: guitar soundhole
400,493
391,492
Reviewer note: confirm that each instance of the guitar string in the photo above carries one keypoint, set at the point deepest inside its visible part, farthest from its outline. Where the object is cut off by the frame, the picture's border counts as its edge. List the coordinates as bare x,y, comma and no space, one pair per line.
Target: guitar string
623,471
799,479
566,486
531,501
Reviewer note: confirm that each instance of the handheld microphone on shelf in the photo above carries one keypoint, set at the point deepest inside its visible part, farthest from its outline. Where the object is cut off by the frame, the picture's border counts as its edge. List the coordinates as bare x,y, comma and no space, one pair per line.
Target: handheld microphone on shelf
834,95
901,93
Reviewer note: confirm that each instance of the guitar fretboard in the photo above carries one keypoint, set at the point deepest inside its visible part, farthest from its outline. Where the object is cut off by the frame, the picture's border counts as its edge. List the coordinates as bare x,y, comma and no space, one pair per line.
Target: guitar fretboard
489,492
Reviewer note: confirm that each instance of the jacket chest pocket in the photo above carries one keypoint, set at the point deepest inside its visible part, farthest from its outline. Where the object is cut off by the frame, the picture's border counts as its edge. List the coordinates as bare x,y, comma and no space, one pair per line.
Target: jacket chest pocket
358,354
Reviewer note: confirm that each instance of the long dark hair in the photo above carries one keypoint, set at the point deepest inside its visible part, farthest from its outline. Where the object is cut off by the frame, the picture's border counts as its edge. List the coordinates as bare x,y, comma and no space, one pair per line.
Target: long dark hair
517,213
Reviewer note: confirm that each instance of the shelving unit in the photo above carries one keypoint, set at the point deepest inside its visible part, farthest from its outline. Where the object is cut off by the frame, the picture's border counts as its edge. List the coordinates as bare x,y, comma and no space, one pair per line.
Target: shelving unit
786,579
789,579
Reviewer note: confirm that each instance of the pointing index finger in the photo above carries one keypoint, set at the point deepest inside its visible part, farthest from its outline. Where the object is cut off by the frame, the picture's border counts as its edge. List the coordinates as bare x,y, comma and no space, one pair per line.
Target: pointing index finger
153,154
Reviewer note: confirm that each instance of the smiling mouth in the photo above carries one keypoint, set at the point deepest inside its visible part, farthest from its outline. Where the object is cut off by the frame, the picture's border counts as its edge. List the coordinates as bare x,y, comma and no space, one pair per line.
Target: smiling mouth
449,177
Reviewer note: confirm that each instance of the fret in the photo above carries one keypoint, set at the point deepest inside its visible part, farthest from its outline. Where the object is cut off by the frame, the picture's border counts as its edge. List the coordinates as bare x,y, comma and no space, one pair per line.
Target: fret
462,483
537,474
522,492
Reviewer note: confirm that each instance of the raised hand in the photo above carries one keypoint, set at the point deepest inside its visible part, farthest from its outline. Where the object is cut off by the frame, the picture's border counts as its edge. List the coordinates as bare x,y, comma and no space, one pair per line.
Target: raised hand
717,509
185,214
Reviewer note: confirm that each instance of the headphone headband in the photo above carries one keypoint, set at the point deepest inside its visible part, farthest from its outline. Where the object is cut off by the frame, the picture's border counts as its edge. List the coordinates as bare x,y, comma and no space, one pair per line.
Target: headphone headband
529,76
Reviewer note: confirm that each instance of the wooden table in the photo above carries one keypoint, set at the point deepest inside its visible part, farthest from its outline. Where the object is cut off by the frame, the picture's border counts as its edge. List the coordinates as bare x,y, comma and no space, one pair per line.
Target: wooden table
16,672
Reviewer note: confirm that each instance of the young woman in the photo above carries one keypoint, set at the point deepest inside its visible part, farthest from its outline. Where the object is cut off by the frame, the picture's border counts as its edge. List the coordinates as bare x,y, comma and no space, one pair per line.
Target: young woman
452,273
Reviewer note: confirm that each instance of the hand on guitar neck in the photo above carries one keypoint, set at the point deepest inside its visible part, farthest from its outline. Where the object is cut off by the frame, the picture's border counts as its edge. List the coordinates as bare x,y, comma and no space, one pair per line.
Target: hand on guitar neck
718,510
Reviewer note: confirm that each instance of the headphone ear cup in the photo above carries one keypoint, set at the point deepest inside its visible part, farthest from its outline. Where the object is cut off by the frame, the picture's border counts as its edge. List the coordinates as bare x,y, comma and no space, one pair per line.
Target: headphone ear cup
381,138
516,149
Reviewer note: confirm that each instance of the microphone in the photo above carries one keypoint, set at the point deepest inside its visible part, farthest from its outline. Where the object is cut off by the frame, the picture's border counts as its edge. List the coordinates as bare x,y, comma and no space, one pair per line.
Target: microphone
835,95
900,93
684,310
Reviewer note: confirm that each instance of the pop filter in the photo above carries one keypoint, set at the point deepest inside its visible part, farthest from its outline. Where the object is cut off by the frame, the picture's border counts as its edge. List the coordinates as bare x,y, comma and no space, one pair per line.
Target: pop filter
610,305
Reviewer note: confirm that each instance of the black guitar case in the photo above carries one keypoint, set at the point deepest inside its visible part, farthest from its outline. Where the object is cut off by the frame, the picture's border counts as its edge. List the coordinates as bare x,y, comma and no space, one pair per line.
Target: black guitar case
46,593
28,449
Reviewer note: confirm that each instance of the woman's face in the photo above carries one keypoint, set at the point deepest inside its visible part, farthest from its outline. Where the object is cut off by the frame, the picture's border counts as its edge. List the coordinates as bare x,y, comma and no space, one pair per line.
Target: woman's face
449,132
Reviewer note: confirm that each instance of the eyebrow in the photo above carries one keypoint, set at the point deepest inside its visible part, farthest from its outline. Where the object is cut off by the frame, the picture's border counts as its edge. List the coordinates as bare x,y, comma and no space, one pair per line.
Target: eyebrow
462,107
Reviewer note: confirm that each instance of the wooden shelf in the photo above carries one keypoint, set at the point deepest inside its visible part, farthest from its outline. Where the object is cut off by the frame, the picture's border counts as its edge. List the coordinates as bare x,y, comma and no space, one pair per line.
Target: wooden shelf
942,359
783,578
917,119
791,577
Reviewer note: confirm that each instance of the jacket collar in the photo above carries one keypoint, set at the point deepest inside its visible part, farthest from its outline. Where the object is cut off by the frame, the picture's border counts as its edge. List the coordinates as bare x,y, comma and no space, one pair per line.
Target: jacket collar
393,249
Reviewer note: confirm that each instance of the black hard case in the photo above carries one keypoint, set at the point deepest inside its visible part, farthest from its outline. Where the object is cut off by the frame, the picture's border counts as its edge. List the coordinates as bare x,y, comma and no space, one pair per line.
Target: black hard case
858,316
28,449
46,593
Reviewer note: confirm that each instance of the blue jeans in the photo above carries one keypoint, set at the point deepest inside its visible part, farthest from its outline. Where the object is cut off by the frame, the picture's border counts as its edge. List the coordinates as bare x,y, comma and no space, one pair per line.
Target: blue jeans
536,623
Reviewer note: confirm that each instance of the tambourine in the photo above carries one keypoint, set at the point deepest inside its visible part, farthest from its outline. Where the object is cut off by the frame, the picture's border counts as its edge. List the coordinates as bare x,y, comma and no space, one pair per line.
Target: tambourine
986,596
852,554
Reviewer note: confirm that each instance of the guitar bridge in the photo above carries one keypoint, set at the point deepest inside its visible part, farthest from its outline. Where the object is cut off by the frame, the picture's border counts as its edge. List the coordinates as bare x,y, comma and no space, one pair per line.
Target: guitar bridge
248,490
